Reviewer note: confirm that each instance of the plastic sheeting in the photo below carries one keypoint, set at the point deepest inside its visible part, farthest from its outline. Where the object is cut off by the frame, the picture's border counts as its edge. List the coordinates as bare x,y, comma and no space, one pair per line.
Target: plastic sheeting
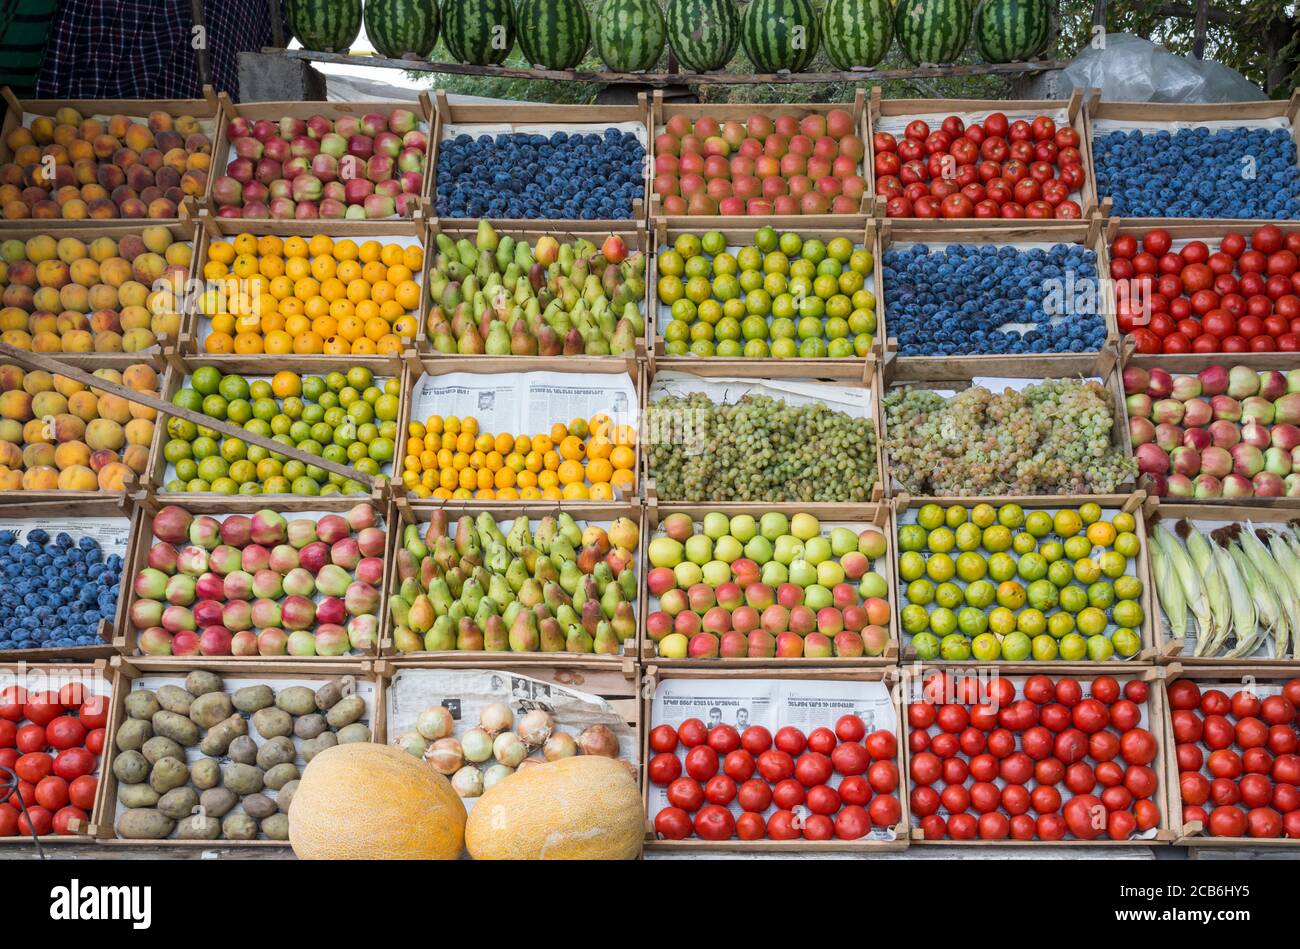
1128,68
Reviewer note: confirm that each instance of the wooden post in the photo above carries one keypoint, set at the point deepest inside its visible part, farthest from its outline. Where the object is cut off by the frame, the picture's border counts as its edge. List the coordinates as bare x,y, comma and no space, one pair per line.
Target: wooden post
1202,17
277,24
201,49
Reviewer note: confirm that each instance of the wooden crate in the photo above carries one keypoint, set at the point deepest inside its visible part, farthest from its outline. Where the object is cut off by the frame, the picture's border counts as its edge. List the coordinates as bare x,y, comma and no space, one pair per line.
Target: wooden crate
1157,115
68,514
448,113
1157,718
1131,503
406,510
777,370
654,673
955,374
207,110
633,234
857,515
1170,650
219,228
127,670
93,677
183,230
126,638
429,367
856,367
661,111
1265,679
223,152
182,368
1084,233
893,112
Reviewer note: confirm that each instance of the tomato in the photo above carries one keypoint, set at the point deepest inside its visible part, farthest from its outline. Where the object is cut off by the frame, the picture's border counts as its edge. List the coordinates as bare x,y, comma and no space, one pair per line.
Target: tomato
918,740
1276,710
754,795
1256,790
65,732
933,827
1069,693
850,728
781,826
1017,716
1256,761
955,770
917,129
81,791
972,741
813,768
1125,715
1090,716
1224,763
984,767
823,799
1224,791
1117,798
52,792
850,758
963,826
42,708
920,714
788,794
1109,773
33,766
885,811
883,777
924,801
1015,799
1282,740
1016,768
750,826
664,769
756,739
818,827
1103,746
1039,689
1245,704
94,712
663,739
945,745
1286,769
714,822
1188,726
1189,757
775,765
1286,798
856,790
1196,814
1105,689
1184,693
852,823
692,732
1120,825
738,765
1251,733
791,741
1157,241
686,794
1140,781
1147,814
1292,688
821,740
955,798
720,789
1085,816
30,738
1218,732
1037,742
37,819
953,718
701,762
8,819
1071,745
1263,822
1080,778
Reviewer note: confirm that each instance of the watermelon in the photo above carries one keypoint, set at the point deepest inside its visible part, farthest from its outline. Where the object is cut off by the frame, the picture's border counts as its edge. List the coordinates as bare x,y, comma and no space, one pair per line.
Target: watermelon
398,27
1008,31
858,32
326,26
780,34
553,34
704,34
628,34
480,32
933,32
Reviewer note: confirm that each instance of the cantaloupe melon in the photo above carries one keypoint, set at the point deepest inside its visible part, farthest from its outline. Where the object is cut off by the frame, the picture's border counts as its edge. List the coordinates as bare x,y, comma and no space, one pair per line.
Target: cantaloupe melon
362,801
583,808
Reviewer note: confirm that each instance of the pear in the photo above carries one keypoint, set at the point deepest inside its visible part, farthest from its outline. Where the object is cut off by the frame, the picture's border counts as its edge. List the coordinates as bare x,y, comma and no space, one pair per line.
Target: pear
624,621
522,342
421,615
589,557
410,589
482,577
405,563
577,639
441,338
496,638
498,340
603,574
444,553
605,642
624,338
562,551
443,635
627,583
455,578
567,616
505,251
610,600
457,612
569,528
544,570
440,596
548,342
520,536
486,239
552,637
523,633
499,590
498,558
446,246
530,594
470,342
573,344
412,542
555,596
399,608
466,536
428,572
437,526
545,534
406,641
487,607
467,253
516,574
529,555
592,616
510,612
469,638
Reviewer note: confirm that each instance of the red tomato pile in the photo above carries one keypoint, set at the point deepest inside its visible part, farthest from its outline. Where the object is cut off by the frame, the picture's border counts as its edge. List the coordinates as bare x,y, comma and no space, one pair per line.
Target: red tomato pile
1051,762
52,741
1238,759
830,783
1244,297
999,169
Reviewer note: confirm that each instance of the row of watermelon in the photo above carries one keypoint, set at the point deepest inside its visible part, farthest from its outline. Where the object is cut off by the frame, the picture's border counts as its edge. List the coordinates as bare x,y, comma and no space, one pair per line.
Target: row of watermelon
629,35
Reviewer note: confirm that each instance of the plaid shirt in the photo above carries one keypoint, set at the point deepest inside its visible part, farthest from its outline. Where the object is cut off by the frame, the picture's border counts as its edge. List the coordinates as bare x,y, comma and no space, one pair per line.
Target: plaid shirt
143,49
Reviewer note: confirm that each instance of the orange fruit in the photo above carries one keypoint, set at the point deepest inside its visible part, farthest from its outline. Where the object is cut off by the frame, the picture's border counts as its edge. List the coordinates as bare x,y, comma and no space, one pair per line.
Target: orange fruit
623,480
558,432
623,457
571,447
570,472
599,469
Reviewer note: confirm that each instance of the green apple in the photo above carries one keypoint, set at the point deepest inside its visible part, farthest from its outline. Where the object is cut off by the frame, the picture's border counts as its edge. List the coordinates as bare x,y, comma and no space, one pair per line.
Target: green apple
805,526
716,524
872,584
774,573
817,597
871,543
758,549
829,573
673,646
773,524
843,541
716,573
802,572
665,552
727,549
788,549
816,550
699,549
743,528
688,574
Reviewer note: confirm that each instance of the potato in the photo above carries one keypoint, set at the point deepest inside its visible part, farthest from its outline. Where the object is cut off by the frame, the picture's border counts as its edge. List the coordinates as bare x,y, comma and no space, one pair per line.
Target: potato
309,726
198,828
253,698
168,773
144,823
132,734
280,775
242,778
211,709
243,749
218,740
276,827
218,802
354,732
314,746
205,773
131,767
178,803
199,683
328,695
176,726
142,704
284,796
158,747
258,806
175,699
296,700
239,827
346,711
272,722
137,795
276,751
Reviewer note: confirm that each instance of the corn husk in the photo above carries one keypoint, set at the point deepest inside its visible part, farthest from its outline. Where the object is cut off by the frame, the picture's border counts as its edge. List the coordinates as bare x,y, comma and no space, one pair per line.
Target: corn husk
1170,594
1288,559
1286,594
1184,571
1202,556
1267,609
1244,624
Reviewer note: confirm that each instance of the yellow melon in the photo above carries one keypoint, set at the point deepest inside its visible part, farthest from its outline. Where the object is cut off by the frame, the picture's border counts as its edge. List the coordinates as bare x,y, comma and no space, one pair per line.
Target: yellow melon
362,801
583,808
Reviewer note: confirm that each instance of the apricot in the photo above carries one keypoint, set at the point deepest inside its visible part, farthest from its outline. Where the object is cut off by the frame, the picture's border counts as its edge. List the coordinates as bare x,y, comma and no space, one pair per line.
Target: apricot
81,151
139,431
38,455
42,478
84,405
77,478
136,457
105,433
71,453
108,342
16,404
68,428
48,403
11,456
11,481
47,342
44,322
141,377
115,408
37,431
65,135
143,411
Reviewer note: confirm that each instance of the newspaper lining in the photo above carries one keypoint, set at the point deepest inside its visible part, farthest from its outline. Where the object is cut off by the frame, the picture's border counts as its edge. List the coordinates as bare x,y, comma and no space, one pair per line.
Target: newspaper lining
525,401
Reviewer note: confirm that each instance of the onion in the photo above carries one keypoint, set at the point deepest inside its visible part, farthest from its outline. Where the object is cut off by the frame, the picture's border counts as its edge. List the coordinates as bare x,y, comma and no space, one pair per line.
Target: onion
560,745
477,745
445,755
535,727
598,740
509,750
496,718
468,781
434,722
413,743
529,763
496,773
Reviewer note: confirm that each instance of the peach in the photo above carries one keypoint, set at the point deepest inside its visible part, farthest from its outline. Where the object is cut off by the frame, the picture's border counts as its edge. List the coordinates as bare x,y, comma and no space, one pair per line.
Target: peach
11,481
105,433
102,297
70,320
177,159
146,268
78,341
48,403
139,178
68,427
138,138
137,340
134,209
47,341
12,318
36,431
108,342
11,456
151,158
67,386
16,404
103,210
133,318
53,273
115,408
162,209
84,405
16,210
113,476
168,140
141,377
84,272
119,125
159,121
18,138
115,271
110,176
86,172
43,478
77,478
105,321
38,455
72,453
